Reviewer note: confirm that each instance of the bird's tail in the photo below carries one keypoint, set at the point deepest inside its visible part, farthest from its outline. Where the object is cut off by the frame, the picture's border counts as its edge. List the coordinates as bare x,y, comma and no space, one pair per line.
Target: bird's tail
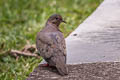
61,67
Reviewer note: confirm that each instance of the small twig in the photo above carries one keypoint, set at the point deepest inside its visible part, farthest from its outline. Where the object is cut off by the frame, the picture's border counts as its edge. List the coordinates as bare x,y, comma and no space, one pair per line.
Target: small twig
28,50
15,52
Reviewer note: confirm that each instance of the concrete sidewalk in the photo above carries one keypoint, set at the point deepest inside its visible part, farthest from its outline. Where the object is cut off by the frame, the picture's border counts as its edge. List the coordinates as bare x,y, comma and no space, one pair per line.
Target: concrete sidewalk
97,39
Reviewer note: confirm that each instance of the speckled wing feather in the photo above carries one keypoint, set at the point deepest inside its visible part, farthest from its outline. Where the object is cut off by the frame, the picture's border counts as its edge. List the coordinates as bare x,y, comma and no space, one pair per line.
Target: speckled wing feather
52,48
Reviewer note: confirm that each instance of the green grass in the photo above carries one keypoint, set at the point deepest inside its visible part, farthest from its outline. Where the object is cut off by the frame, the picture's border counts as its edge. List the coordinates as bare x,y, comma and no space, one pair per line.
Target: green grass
20,20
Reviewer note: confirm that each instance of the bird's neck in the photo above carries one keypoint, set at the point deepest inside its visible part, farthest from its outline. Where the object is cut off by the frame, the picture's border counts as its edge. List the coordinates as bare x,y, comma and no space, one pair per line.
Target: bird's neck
53,26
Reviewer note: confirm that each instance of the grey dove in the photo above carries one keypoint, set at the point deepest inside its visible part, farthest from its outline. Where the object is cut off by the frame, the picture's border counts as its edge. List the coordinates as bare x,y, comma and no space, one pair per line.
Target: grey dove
51,45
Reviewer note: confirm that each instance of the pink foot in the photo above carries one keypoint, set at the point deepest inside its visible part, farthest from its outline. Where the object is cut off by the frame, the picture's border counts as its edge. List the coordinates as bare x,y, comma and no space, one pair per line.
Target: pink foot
45,65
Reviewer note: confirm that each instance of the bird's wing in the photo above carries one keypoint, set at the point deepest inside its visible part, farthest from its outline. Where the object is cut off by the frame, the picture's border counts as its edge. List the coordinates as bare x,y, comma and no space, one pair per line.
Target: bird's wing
59,56
49,44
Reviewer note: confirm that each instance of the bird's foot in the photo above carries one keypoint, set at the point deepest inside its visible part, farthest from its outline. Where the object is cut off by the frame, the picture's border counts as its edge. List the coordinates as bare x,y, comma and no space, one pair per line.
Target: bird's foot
44,65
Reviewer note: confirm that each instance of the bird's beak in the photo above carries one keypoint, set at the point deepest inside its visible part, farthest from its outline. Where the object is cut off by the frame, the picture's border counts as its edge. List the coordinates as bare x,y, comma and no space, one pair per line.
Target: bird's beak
63,21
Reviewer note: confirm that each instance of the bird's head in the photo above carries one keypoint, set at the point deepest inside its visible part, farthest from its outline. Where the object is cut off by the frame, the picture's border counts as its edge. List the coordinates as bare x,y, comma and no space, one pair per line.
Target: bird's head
55,19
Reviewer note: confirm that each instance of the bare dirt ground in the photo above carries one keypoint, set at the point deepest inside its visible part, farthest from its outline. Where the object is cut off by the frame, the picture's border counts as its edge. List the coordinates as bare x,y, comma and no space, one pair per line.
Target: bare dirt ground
87,71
